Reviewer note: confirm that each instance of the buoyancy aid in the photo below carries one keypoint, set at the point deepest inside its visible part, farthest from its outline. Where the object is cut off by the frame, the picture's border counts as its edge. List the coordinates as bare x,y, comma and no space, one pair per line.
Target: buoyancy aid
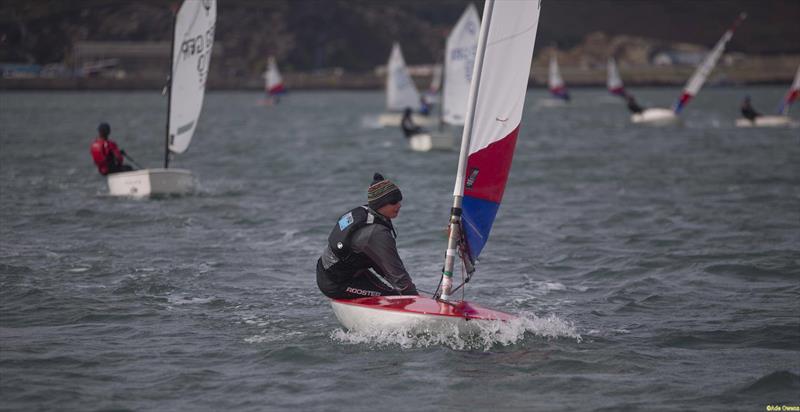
340,239
106,156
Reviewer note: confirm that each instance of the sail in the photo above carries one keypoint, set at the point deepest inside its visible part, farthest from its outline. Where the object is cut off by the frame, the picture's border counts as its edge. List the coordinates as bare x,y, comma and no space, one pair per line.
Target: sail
191,55
273,80
459,59
555,82
705,68
401,92
791,95
502,80
614,81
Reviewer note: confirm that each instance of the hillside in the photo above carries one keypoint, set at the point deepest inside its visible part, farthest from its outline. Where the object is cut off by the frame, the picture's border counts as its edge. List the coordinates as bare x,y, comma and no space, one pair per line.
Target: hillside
356,34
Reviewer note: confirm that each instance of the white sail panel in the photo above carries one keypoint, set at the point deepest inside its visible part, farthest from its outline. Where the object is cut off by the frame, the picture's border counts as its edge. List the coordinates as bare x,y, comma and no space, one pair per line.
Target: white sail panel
505,71
401,92
191,56
459,60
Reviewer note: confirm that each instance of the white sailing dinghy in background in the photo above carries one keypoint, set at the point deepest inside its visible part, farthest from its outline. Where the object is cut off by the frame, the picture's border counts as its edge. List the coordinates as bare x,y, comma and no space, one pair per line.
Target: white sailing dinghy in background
782,118
401,93
192,42
494,113
659,116
458,61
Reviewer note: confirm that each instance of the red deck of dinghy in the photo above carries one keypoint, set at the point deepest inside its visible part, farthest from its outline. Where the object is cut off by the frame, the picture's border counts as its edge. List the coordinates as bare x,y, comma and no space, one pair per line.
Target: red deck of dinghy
427,306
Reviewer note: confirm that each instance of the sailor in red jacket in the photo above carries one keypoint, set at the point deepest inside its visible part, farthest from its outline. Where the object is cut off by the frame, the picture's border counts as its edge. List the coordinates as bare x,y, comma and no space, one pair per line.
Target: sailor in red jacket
106,154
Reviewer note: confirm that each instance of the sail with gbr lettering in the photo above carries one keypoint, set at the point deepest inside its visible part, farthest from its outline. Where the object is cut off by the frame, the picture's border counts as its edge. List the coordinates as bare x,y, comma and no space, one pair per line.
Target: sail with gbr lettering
459,60
191,56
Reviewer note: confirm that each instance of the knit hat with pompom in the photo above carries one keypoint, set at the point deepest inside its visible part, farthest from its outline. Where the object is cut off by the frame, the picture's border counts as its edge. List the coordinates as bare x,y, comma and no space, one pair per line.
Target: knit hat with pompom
382,192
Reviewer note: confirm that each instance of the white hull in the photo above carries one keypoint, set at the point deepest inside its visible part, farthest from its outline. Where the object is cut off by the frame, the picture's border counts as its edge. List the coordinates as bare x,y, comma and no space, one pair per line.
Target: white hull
656,117
425,142
402,312
765,121
394,120
150,182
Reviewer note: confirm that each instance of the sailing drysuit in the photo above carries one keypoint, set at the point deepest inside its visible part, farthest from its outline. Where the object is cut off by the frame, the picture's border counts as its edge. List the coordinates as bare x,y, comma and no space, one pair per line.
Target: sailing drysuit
361,258
107,156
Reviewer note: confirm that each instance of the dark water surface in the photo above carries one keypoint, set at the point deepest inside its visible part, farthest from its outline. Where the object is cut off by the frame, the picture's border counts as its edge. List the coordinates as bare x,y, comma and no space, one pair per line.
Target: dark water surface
656,268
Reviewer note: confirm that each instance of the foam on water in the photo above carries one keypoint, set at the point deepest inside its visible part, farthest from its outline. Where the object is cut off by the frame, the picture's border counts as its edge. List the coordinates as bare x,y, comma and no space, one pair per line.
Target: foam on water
488,335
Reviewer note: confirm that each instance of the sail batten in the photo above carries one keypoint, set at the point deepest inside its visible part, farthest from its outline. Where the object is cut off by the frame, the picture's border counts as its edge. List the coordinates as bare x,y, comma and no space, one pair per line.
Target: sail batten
191,51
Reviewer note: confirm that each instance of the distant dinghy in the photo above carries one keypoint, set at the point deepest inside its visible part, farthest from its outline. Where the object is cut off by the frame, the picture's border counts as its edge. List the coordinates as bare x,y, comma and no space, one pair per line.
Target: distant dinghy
401,92
192,43
782,119
273,83
660,116
499,83
555,83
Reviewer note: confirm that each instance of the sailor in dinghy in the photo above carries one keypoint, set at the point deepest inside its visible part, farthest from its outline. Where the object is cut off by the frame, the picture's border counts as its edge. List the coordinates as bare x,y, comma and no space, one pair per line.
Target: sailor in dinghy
361,258
106,154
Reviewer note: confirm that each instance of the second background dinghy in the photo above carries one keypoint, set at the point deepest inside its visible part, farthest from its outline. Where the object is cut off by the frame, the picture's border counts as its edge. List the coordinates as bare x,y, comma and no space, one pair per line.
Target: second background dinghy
192,42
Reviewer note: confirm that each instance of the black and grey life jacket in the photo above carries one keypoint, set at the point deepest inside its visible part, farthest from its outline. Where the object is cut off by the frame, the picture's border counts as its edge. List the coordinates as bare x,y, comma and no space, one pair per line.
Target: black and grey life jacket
341,237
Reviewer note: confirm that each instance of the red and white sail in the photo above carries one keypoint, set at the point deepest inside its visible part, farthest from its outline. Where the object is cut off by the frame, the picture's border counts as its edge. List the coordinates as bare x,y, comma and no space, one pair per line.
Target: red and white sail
614,80
273,82
791,95
701,74
497,97
554,80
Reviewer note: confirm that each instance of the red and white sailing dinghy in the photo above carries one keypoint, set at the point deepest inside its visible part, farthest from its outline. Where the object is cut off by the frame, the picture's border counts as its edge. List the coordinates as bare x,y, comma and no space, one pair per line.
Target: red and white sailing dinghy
494,113
658,116
780,119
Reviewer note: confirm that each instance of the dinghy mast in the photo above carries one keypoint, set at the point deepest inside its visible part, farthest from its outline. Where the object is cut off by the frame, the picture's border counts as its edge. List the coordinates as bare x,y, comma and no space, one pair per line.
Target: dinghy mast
169,84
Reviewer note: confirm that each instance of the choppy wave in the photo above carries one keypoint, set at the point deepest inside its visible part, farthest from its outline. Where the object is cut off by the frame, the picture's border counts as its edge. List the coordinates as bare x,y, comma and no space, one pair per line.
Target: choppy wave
490,335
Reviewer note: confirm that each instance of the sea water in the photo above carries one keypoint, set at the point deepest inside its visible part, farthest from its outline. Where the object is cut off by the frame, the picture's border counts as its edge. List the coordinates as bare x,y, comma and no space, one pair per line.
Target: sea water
652,268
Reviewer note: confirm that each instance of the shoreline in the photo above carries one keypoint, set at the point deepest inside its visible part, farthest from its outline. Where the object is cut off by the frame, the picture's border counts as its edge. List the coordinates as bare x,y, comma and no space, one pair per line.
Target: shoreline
652,76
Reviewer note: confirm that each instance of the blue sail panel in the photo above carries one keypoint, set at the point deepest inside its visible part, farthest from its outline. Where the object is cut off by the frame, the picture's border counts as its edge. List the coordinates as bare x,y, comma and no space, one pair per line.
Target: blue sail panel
476,219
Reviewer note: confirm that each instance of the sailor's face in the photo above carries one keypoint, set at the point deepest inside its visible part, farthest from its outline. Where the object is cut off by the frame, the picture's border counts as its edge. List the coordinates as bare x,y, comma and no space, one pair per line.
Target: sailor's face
391,210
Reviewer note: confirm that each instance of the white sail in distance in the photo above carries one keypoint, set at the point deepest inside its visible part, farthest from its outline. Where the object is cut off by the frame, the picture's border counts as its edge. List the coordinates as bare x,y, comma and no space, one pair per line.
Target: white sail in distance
191,56
459,60
401,92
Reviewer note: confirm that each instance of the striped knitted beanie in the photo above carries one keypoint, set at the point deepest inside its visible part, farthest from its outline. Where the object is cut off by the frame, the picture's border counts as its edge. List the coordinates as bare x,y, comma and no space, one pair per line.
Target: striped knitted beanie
382,192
